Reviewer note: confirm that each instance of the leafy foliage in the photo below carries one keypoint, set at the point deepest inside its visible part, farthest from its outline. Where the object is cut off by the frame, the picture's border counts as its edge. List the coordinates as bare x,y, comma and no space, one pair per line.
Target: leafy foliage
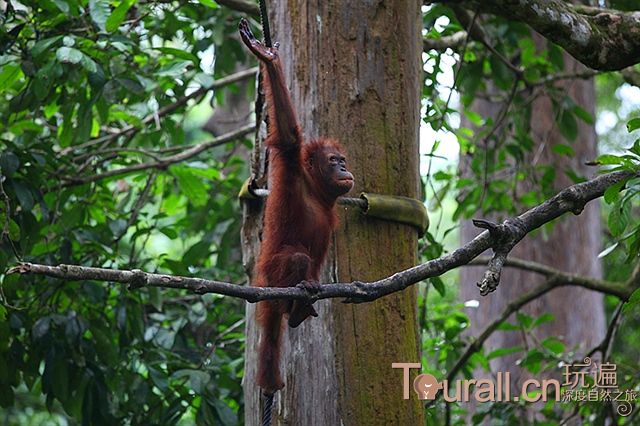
504,173
88,89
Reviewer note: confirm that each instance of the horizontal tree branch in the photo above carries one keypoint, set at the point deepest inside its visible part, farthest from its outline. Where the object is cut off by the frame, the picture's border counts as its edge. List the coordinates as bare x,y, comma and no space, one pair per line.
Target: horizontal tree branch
163,162
571,199
602,39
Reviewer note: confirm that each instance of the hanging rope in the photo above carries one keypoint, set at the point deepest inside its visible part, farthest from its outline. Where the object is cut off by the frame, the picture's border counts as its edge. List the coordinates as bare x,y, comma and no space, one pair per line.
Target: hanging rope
267,408
264,19
266,412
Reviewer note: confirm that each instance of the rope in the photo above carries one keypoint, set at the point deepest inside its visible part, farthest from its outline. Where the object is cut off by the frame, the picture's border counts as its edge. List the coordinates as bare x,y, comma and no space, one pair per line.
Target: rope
354,202
264,19
266,33
266,412
344,201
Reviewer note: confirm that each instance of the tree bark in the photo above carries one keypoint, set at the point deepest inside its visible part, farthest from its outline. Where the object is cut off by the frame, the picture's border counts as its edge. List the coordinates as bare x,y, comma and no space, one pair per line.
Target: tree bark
572,244
354,79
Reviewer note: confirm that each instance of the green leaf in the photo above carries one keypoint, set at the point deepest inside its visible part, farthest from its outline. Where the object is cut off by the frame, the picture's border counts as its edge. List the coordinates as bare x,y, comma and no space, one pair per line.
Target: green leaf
563,149
532,360
88,64
118,15
174,69
197,253
43,45
209,3
583,114
475,118
633,124
503,351
525,320
14,230
611,194
636,147
191,185
9,163
169,232
178,53
547,317
617,220
99,11
59,375
608,159
7,396
23,192
438,285
556,56
568,125
69,55
197,379
62,5
22,101
9,75
633,301
131,85
554,345
41,328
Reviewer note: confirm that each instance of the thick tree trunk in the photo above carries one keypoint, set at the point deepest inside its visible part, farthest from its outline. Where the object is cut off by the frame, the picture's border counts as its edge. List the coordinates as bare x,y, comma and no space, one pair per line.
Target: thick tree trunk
572,244
354,73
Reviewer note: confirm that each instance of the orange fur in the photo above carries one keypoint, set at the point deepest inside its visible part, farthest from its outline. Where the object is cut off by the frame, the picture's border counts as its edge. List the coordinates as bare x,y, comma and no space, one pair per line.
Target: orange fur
299,216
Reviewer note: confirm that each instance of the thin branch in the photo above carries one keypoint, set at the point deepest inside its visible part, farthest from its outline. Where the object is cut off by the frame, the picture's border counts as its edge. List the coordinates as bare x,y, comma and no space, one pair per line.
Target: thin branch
571,199
605,345
168,109
164,162
452,41
120,150
584,75
545,270
478,33
242,6
140,202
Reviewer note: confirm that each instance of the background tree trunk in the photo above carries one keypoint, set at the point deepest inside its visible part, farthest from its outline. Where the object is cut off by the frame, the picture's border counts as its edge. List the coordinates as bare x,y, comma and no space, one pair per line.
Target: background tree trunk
572,244
354,73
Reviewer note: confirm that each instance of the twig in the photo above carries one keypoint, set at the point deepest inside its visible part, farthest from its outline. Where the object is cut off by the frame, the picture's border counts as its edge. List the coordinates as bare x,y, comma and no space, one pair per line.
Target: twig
604,346
527,265
477,33
140,202
120,150
163,162
449,41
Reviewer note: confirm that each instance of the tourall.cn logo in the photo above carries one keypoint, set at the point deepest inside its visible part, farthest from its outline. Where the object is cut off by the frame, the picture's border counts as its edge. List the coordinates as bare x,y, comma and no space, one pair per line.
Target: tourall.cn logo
426,386
602,387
